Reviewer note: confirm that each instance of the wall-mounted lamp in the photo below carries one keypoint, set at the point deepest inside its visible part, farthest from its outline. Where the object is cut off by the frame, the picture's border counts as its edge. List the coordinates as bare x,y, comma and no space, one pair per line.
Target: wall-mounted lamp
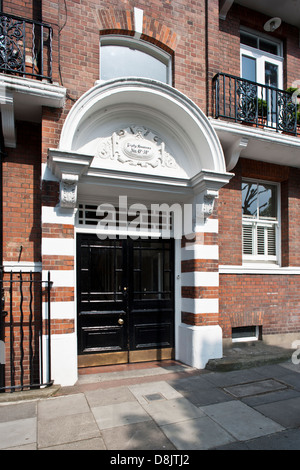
272,24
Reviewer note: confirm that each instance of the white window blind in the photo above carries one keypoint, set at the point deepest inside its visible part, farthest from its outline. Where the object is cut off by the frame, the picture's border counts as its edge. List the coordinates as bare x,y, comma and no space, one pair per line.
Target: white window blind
260,221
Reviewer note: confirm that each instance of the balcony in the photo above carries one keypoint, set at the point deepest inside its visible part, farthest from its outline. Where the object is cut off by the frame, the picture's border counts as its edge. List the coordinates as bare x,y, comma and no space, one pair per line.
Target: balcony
255,121
26,82
25,47
256,105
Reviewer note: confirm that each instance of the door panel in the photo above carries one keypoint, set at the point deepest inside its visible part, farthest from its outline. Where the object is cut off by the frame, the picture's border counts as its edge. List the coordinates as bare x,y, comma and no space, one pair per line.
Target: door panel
125,298
101,302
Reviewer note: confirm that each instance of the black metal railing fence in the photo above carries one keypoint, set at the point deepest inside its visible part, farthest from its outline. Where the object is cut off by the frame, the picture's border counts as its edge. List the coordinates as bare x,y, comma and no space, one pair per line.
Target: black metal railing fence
25,331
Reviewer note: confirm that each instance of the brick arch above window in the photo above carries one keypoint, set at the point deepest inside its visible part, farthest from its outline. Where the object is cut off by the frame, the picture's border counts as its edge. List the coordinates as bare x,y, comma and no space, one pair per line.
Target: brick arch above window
121,21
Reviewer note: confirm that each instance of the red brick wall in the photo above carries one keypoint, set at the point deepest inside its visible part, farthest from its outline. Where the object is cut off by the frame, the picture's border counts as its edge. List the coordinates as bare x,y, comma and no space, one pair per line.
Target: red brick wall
22,196
271,301
230,222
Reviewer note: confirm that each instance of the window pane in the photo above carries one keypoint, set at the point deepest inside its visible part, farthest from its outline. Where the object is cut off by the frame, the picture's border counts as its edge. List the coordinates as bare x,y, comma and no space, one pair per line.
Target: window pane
121,61
249,199
268,47
249,68
267,201
271,74
248,40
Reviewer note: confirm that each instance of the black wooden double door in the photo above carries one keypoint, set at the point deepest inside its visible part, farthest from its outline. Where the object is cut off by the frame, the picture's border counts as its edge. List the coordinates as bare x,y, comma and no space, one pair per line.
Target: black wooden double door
125,292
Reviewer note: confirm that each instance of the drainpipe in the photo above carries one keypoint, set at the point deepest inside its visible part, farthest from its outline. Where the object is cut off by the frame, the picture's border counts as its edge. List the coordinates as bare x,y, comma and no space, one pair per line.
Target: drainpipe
2,312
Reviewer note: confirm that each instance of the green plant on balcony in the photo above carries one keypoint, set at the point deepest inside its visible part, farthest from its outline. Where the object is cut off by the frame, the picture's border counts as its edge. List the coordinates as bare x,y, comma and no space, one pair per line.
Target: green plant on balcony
262,109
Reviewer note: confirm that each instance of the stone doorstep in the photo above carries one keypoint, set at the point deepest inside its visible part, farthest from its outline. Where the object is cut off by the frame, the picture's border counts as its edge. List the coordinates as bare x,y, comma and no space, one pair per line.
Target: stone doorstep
249,356
29,394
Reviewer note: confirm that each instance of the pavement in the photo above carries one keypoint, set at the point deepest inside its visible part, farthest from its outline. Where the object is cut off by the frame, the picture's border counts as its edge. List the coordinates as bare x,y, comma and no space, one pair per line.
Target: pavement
163,407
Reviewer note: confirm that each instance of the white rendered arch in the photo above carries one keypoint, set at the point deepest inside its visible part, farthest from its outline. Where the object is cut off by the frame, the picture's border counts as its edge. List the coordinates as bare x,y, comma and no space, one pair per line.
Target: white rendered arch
105,126
153,99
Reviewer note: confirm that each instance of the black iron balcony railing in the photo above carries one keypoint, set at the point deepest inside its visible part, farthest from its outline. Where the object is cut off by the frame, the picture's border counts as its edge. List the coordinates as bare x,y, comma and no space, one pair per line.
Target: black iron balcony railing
25,47
258,105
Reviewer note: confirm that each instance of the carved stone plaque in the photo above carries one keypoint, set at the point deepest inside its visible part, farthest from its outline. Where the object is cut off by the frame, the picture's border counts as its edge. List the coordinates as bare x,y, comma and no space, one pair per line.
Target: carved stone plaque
136,145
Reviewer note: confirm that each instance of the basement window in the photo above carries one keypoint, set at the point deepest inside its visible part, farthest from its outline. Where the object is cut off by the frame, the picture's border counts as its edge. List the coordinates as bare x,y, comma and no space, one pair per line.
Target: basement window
245,333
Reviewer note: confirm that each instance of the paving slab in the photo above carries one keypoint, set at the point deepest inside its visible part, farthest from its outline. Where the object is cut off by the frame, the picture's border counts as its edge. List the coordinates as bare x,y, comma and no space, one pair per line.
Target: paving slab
199,391
288,415
142,391
197,434
172,411
111,416
240,420
66,429
273,370
255,388
18,433
278,396
113,397
95,443
235,377
291,366
292,379
138,436
10,412
62,406
284,440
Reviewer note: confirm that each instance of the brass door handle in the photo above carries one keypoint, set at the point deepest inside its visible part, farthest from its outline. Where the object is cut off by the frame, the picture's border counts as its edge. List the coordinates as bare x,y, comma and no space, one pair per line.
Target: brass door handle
120,321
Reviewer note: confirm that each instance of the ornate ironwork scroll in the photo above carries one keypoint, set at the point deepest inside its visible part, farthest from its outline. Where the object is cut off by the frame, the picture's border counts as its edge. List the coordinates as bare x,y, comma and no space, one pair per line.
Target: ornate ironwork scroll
287,112
247,101
12,41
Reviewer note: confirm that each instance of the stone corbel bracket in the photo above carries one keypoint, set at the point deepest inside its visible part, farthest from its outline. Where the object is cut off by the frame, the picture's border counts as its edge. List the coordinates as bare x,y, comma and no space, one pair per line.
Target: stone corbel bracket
206,187
68,191
68,168
8,118
232,154
208,203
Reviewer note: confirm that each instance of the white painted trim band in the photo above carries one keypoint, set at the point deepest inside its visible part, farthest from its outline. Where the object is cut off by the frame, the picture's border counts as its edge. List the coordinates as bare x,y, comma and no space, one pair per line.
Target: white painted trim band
198,306
58,246
194,251
259,269
200,278
57,215
60,310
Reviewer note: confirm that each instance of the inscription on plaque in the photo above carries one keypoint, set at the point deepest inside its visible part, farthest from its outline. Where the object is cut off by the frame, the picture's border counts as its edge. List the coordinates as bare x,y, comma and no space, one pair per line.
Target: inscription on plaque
139,151
136,145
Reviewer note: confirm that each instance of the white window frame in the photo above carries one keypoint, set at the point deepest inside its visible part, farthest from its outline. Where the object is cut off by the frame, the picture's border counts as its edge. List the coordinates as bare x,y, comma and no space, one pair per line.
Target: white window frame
255,222
242,339
262,57
143,46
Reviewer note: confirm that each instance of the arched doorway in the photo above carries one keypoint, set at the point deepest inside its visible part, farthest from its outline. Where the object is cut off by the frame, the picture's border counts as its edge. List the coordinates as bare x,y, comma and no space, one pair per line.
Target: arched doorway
143,140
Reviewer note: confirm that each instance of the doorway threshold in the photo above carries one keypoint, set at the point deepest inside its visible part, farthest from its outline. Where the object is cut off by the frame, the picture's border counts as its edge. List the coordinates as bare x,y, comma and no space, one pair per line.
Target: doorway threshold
124,372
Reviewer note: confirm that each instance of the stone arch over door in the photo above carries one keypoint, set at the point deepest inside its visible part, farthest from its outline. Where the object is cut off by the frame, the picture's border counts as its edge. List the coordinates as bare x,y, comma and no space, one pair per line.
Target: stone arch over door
178,122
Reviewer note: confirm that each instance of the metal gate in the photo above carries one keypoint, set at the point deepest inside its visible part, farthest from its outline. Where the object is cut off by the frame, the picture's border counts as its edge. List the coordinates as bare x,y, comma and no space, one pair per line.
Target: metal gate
25,331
